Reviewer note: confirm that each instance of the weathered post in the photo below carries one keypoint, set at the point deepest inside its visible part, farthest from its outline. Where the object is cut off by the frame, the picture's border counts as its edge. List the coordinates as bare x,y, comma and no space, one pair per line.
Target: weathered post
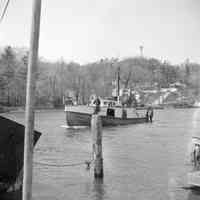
30,101
96,125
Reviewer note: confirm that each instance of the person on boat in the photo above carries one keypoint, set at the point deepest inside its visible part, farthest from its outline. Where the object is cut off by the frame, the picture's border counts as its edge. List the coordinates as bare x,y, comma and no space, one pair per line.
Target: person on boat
97,103
147,115
197,156
151,115
124,112
110,111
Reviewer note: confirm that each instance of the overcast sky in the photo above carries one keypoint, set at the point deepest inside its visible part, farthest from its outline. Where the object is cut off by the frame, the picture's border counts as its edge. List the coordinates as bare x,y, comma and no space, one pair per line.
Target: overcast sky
87,30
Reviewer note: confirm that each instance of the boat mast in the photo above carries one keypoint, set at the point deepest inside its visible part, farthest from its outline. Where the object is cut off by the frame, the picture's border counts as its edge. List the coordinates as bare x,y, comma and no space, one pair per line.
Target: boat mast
118,84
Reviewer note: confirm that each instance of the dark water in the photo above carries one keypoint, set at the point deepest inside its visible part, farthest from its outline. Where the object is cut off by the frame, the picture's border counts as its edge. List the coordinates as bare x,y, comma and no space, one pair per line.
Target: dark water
146,161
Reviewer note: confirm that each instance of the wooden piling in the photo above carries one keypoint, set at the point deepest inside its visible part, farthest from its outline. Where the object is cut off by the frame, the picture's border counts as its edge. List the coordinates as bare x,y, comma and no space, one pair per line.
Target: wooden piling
96,126
30,101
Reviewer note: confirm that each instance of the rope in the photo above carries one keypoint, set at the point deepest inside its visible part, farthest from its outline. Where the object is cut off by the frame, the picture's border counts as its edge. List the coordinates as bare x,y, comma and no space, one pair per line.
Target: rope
87,163
4,11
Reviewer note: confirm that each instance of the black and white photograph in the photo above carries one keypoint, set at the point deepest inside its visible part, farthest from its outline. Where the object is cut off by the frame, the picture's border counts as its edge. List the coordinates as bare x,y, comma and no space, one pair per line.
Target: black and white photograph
99,100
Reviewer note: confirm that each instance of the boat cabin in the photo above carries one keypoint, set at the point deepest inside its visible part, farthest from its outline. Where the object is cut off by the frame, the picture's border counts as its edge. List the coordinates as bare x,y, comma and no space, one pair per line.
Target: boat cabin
105,103
69,101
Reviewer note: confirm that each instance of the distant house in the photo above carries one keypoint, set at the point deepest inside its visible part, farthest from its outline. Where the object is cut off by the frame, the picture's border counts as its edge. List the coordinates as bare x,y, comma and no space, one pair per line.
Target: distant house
150,91
170,89
178,85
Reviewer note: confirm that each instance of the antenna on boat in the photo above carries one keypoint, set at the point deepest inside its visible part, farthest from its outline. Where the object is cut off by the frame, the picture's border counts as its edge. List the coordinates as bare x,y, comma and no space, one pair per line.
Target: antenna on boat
118,83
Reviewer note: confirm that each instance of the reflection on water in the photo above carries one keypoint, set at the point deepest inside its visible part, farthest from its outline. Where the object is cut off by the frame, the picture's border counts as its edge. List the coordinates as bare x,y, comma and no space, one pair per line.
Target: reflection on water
98,189
12,196
194,194
145,161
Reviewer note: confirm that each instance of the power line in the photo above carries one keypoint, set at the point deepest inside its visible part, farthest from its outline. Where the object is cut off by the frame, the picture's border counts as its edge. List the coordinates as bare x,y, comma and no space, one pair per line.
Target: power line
4,10
2,4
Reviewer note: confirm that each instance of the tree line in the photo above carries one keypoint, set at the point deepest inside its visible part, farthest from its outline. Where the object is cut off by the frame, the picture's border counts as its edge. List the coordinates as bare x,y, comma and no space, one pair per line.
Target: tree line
58,79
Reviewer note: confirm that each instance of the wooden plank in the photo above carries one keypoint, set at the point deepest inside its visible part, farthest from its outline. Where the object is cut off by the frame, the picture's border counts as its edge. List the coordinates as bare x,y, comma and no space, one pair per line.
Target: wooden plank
97,146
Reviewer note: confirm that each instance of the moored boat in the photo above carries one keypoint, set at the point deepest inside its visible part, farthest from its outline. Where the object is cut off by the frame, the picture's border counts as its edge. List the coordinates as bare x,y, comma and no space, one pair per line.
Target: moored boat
11,154
194,175
84,119
81,116
183,105
194,179
114,111
155,107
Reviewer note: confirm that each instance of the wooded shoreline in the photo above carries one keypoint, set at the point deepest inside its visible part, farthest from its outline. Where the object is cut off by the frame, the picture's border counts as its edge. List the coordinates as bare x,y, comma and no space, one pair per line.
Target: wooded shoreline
58,79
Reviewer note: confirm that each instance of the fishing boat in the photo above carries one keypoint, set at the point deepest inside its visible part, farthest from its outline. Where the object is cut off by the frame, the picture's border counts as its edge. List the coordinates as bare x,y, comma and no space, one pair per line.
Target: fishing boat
11,154
81,116
112,111
83,119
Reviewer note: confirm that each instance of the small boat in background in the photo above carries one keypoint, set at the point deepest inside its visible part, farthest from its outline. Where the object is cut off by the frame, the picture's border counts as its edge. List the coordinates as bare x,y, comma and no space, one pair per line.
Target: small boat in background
194,179
155,107
194,175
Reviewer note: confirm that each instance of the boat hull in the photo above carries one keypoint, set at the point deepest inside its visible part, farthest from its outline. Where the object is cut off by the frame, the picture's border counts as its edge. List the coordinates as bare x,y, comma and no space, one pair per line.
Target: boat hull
84,119
12,154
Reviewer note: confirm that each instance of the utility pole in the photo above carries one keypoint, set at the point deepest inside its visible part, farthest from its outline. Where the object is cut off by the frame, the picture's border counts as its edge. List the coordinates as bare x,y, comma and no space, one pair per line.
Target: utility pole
30,101
141,51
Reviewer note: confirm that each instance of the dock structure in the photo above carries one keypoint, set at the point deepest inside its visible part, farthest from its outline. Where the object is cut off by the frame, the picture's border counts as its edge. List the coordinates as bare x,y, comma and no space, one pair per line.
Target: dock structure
96,127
